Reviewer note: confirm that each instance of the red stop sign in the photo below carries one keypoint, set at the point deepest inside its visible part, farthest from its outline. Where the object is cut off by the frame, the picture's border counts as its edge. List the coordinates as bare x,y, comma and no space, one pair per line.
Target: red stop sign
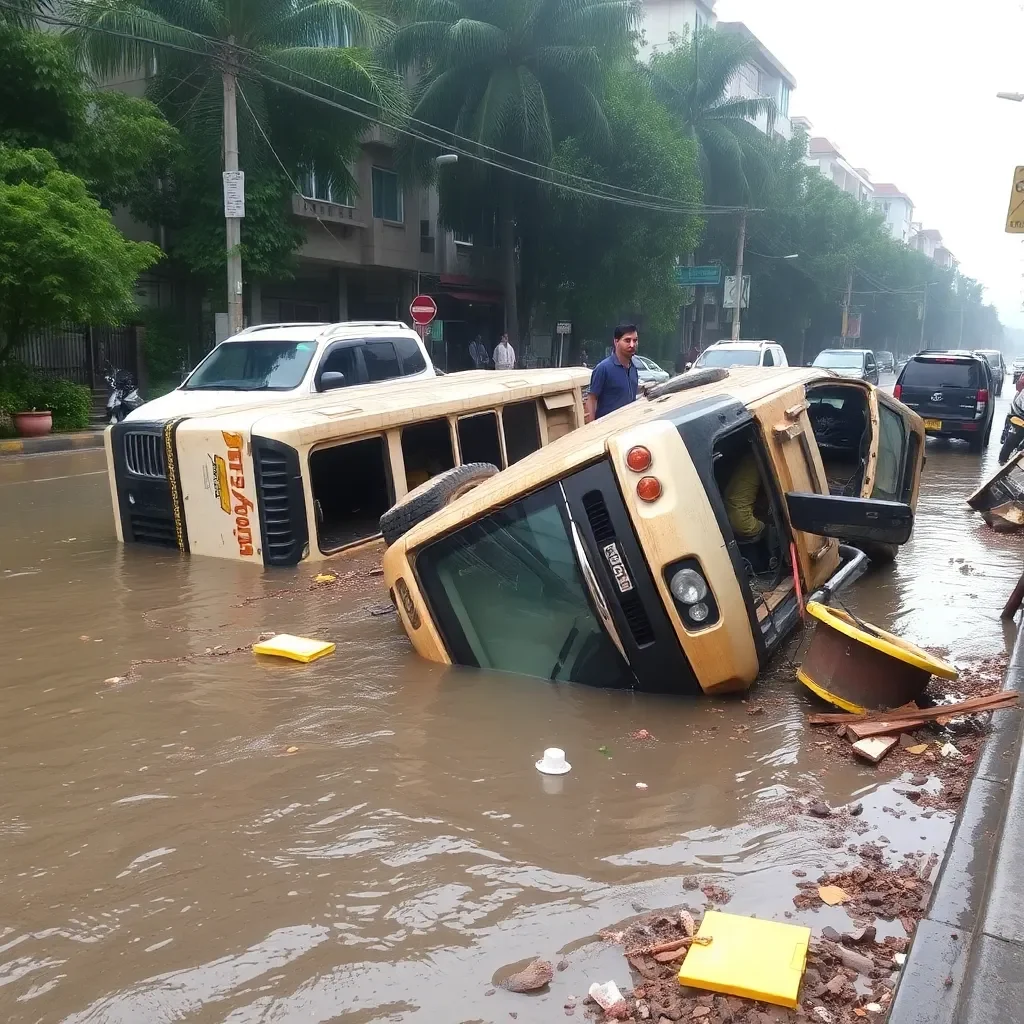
423,309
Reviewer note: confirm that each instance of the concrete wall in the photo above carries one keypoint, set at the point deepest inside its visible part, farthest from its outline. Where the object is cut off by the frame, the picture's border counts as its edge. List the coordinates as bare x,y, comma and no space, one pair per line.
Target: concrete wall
666,18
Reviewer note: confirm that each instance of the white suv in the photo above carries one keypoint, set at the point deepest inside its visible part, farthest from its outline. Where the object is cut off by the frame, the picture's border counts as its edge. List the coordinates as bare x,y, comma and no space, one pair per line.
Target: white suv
282,362
742,353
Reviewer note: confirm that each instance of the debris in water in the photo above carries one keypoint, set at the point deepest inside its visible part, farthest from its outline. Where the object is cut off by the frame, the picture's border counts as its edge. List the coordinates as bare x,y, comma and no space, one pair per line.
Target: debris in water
833,895
948,750
553,762
641,785
532,977
113,680
819,809
324,577
606,996
292,750
918,748
641,734
296,648
875,749
604,750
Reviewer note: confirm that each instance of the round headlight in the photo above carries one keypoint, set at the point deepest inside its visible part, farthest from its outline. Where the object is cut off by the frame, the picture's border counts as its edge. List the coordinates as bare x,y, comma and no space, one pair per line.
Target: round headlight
688,586
698,612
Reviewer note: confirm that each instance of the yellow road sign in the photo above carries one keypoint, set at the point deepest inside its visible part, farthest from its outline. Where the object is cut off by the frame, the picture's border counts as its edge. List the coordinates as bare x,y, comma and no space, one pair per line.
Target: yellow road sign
1015,215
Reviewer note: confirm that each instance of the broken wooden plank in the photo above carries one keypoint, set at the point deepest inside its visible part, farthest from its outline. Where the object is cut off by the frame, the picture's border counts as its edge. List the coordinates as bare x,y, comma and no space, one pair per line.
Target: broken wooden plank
875,748
865,730
989,702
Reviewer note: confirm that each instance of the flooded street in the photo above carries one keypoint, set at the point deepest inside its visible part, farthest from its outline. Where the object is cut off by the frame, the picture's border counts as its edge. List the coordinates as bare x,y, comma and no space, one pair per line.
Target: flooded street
165,857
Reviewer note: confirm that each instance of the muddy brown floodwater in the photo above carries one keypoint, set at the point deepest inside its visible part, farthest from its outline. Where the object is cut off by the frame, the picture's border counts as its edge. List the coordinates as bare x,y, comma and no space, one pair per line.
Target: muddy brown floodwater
165,858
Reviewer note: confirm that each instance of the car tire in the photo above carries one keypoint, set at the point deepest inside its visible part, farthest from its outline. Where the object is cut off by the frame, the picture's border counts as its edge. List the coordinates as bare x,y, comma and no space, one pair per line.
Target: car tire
879,553
976,445
687,381
431,496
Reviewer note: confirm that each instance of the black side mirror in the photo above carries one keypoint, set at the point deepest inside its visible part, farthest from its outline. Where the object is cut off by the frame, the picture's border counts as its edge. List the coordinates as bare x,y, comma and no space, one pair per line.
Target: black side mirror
331,379
851,519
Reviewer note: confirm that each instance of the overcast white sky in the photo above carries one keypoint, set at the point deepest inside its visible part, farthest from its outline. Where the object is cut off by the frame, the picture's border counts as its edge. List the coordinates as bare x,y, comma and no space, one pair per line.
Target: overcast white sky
906,89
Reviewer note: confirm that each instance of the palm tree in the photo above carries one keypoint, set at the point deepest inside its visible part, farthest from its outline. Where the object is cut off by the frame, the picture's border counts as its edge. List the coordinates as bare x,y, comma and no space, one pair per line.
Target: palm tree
692,80
510,78
205,48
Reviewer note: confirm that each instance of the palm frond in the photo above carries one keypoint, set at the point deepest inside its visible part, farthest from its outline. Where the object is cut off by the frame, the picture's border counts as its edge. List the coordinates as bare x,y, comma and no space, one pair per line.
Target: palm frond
474,42
138,35
415,43
329,23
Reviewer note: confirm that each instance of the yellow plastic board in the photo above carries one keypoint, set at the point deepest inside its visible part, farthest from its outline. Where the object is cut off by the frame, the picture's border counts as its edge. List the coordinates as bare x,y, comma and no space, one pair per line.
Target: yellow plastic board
298,648
746,957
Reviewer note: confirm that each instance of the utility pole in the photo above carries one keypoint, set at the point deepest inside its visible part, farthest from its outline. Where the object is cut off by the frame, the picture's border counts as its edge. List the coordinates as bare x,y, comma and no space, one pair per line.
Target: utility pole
846,306
741,243
233,223
924,314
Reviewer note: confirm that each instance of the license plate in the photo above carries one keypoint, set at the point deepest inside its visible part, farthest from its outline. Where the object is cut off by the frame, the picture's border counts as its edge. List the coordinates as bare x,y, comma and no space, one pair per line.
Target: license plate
933,424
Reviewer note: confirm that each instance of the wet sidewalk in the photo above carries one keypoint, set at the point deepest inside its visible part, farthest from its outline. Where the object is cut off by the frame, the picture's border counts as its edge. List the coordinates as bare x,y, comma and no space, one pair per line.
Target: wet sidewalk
966,964
52,443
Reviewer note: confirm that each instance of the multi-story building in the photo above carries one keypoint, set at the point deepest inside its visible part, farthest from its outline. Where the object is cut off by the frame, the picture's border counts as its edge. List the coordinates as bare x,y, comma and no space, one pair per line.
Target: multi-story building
763,77
666,21
897,208
833,165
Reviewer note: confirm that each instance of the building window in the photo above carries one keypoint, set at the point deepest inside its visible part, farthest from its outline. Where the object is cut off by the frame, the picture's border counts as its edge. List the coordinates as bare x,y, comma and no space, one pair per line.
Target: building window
387,196
784,100
321,189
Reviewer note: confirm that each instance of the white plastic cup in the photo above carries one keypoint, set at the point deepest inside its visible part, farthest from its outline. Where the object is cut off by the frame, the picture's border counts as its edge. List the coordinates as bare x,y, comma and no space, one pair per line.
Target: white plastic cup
553,762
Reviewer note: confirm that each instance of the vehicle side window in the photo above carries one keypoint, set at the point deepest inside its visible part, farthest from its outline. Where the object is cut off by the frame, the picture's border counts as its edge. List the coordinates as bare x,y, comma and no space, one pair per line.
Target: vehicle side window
341,359
411,356
780,356
892,441
381,361
869,360
769,359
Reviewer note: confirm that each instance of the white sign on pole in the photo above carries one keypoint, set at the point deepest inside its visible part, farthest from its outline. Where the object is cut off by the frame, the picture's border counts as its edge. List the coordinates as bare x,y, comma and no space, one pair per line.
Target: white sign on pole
563,327
234,193
730,293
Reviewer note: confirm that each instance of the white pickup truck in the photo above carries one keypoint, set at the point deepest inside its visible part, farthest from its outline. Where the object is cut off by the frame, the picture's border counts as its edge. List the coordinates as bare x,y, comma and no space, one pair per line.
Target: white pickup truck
283,362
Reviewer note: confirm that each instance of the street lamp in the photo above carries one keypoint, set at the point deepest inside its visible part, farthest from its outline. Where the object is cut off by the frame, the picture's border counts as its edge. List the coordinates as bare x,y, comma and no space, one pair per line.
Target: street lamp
765,256
1013,97
446,158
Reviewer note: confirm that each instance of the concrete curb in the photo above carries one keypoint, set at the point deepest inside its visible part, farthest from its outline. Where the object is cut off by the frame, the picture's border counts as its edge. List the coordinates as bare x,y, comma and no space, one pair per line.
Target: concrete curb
51,443
955,972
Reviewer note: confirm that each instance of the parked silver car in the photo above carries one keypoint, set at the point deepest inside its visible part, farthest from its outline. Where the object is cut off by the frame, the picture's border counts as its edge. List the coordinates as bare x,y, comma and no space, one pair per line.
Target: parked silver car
648,371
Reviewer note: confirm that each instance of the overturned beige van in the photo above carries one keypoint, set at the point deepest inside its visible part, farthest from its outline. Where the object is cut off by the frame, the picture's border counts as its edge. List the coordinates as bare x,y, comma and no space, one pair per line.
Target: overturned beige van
276,485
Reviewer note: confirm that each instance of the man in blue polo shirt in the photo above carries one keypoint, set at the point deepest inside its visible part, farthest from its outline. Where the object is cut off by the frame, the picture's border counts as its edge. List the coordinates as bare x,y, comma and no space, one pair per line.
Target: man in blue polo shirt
614,382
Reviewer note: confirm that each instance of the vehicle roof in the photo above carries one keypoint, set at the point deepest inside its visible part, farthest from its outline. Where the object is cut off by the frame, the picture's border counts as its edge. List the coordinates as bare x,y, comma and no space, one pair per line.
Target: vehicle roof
988,351
388,403
943,356
748,384
824,351
321,331
740,344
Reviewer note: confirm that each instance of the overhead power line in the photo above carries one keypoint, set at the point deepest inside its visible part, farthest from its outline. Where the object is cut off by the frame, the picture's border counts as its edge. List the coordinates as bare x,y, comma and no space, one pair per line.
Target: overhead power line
620,194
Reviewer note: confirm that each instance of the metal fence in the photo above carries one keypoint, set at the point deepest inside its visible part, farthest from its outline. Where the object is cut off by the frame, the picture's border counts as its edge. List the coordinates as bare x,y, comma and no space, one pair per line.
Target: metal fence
81,353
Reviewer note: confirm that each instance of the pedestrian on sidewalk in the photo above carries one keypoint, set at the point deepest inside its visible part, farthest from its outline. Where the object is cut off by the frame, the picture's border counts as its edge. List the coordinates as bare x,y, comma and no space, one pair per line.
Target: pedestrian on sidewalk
504,355
478,353
614,382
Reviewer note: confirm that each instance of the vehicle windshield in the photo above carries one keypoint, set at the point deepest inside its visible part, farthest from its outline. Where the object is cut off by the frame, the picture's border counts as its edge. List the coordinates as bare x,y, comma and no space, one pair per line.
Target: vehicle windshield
729,357
253,366
936,373
509,595
838,359
990,355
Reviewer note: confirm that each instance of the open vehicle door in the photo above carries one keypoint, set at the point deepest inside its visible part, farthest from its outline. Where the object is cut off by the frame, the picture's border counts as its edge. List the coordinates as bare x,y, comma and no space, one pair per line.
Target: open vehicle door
896,457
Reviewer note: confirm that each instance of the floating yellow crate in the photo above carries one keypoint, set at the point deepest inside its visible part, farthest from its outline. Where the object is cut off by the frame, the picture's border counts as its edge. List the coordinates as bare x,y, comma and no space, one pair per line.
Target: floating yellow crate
298,648
746,957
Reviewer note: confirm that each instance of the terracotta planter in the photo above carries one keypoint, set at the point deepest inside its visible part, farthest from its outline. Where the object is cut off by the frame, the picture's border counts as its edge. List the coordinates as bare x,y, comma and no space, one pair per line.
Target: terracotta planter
33,424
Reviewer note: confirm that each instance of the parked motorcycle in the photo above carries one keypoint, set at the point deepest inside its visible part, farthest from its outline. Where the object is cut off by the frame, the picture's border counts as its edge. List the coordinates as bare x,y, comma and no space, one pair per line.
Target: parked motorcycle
1012,439
123,396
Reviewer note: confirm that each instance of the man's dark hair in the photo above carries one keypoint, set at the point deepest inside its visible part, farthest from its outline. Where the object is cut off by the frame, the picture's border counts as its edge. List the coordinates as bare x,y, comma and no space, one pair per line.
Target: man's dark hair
624,329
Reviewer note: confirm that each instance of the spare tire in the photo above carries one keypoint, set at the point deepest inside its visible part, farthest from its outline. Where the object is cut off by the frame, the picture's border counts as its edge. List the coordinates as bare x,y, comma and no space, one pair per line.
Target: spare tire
429,497
685,381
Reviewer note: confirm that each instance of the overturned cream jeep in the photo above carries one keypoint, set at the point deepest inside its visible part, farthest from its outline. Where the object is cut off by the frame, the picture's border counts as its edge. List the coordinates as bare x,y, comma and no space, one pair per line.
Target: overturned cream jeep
666,547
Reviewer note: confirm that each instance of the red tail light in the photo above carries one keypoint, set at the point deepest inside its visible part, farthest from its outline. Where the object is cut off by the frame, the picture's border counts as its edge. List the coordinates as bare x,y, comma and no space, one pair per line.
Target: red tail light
982,394
897,391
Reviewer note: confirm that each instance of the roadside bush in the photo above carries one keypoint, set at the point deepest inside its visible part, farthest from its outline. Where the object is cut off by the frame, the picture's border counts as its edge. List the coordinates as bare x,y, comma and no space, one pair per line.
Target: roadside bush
22,388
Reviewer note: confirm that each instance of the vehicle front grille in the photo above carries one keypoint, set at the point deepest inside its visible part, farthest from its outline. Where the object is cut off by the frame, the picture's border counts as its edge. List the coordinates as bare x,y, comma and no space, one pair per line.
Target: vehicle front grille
630,602
281,503
144,455
150,529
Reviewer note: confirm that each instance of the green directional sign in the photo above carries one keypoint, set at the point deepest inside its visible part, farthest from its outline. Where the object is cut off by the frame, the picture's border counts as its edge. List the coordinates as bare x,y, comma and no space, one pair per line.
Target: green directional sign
689,276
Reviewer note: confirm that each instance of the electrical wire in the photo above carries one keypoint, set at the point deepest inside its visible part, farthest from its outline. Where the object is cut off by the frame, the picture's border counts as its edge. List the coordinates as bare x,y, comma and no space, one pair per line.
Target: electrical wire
665,205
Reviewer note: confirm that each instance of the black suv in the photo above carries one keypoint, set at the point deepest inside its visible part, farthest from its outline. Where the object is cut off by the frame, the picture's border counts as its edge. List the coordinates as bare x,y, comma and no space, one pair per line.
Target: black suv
952,393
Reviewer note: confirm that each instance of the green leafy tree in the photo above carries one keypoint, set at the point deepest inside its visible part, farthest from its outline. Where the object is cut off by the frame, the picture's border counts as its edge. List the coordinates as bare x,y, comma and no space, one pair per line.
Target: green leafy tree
692,80
269,49
118,144
592,261
61,258
517,77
